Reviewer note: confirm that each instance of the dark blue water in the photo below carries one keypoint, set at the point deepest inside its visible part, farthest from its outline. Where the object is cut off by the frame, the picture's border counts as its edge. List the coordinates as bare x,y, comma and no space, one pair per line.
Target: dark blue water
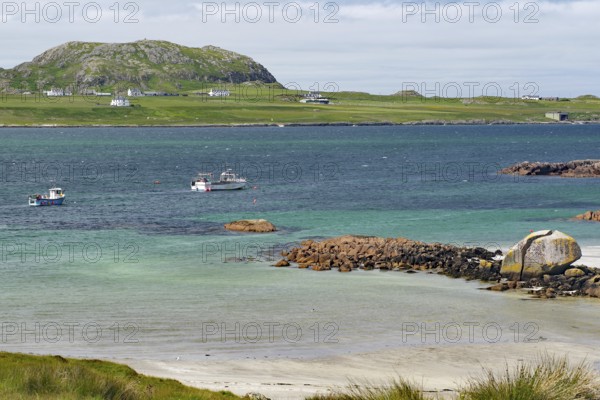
338,171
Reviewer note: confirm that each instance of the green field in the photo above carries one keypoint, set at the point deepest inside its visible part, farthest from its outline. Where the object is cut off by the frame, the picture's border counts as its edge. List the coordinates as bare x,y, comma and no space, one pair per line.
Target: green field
262,105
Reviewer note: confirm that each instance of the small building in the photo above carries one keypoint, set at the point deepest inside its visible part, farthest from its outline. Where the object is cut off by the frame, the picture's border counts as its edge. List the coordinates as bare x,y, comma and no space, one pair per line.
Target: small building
100,94
219,93
314,98
120,101
313,95
135,92
527,97
57,92
558,116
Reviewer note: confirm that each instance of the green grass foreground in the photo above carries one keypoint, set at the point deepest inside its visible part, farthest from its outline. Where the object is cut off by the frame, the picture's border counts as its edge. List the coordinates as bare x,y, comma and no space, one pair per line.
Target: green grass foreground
26,377
549,378
277,106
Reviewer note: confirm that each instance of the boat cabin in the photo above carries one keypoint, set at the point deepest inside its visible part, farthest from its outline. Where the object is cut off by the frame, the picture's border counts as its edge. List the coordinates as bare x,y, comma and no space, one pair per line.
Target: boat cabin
56,193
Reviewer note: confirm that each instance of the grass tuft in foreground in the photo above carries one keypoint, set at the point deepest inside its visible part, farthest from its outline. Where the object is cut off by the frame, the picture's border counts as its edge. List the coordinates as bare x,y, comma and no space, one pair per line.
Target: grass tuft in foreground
550,378
28,377
397,390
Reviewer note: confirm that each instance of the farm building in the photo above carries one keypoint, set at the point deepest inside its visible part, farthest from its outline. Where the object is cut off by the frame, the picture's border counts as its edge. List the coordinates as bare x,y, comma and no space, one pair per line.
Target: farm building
558,116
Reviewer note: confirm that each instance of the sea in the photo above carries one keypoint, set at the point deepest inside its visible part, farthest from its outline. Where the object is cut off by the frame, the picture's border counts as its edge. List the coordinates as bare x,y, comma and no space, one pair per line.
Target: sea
135,265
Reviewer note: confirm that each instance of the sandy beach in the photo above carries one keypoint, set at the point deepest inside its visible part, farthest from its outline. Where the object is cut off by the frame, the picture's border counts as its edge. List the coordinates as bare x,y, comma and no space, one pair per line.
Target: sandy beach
439,369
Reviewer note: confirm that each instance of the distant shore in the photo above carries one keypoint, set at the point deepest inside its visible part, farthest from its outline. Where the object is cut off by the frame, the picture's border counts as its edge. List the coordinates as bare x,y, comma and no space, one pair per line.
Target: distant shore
292,125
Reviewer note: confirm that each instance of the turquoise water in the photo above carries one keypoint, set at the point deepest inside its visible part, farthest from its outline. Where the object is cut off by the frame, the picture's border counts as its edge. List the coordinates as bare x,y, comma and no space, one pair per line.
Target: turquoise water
129,268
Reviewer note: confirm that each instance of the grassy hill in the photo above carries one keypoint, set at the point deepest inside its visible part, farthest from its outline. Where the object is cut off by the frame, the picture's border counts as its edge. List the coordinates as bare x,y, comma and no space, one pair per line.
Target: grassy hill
146,64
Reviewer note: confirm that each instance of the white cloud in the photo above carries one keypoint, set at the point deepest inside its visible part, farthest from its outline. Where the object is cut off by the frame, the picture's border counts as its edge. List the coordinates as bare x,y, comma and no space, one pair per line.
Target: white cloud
375,46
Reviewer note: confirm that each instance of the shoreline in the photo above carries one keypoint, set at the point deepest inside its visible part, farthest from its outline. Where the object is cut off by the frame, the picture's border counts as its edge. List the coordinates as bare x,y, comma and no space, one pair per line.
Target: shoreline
294,125
434,368
440,368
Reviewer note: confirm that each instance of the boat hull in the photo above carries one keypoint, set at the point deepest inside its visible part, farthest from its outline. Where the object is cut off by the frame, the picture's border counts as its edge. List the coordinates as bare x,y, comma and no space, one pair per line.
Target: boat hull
228,186
201,187
46,202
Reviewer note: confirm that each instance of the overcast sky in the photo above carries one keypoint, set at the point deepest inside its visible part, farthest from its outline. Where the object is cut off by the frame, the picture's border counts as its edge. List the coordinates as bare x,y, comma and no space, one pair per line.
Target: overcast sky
550,48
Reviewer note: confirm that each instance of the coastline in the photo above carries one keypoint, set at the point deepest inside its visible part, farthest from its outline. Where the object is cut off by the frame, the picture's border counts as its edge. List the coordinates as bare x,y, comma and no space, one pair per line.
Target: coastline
292,125
439,369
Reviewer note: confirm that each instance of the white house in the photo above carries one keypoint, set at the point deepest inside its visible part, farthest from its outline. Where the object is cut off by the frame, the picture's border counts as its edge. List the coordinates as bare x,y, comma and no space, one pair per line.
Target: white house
134,92
219,93
313,95
120,101
56,92
526,97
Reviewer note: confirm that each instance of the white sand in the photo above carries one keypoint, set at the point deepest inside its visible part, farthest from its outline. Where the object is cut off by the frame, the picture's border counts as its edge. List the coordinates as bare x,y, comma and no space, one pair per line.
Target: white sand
435,368
591,256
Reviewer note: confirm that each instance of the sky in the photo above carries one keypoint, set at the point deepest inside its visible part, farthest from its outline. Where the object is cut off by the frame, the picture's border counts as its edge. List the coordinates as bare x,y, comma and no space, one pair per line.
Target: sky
443,48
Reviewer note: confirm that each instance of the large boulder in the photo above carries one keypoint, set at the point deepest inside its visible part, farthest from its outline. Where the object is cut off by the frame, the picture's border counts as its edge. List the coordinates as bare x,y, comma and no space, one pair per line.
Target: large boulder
251,225
541,253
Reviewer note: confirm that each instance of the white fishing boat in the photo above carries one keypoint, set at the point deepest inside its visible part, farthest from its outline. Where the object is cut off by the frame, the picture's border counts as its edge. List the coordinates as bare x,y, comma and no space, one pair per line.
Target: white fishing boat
55,197
202,183
228,180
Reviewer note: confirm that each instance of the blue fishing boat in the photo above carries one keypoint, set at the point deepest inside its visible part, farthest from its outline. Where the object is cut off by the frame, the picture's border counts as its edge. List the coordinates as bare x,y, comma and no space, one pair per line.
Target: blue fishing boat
55,197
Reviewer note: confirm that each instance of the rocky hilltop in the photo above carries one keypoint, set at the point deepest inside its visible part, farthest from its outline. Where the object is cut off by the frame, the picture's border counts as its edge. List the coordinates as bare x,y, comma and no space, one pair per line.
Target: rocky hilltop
146,64
571,169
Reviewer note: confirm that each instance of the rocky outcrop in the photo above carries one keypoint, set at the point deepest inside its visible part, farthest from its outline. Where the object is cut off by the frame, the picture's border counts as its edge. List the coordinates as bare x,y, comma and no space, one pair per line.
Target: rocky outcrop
349,253
540,253
572,169
251,225
589,216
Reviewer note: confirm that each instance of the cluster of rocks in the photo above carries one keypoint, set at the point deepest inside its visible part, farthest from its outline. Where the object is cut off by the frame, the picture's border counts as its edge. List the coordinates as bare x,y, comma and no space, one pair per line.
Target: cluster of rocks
348,253
571,169
589,216
541,263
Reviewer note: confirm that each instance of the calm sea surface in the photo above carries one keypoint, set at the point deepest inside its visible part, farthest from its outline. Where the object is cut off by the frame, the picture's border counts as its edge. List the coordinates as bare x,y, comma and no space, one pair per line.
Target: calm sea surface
130,268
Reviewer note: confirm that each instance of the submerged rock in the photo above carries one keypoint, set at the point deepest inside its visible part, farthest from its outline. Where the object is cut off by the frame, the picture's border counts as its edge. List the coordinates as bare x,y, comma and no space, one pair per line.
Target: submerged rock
541,253
251,225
